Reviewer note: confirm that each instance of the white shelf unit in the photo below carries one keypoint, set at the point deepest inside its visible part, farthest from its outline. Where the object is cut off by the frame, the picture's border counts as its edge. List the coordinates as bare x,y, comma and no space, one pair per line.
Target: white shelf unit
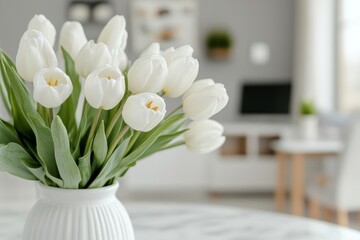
246,162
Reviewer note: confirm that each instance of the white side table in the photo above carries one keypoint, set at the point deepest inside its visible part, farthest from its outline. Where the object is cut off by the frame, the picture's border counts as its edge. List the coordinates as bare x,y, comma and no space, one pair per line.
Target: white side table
298,151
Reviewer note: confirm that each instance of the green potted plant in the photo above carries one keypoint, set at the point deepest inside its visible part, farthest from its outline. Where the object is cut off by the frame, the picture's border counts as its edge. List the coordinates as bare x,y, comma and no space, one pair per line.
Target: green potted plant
309,120
219,43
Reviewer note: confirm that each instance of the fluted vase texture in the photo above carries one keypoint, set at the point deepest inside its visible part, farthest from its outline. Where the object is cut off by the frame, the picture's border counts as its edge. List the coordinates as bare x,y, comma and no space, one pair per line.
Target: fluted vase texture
81,214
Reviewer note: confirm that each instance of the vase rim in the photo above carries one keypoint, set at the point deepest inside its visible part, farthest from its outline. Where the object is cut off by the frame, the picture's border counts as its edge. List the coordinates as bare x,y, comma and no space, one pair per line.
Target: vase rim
75,196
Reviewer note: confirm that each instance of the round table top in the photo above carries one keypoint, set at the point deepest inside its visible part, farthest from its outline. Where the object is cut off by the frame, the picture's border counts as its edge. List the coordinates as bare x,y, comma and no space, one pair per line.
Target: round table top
205,222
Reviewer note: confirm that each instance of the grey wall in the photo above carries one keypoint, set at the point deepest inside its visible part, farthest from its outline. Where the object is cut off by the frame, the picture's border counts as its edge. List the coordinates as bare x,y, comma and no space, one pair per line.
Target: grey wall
270,21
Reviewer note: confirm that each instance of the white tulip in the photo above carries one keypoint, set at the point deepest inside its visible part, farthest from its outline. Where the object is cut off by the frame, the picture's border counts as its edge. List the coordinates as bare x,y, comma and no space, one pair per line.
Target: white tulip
124,40
148,74
144,111
90,57
153,49
104,87
34,54
182,74
72,38
51,87
114,34
172,54
43,25
204,136
119,58
204,99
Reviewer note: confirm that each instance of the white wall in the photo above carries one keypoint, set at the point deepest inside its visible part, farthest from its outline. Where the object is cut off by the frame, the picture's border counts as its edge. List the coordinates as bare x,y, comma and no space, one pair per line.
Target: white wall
314,63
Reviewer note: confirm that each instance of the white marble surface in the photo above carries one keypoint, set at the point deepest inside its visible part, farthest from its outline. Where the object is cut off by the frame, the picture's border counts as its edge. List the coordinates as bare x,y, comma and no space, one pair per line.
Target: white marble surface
156,221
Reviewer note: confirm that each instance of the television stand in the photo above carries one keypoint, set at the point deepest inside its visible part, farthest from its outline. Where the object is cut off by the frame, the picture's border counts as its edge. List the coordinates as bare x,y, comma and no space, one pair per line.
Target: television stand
246,161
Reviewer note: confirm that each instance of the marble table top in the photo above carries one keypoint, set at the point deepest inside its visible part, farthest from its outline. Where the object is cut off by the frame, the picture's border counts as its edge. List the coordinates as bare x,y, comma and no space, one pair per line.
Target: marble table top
157,221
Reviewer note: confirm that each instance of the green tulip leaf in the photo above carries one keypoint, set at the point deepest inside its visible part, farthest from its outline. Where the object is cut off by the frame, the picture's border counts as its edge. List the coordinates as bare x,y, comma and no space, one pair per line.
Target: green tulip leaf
8,133
69,171
11,157
85,169
84,127
113,160
35,169
100,147
15,87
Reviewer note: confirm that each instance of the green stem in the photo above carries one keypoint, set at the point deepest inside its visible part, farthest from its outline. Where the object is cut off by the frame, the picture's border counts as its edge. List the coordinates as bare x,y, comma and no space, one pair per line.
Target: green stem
176,144
50,115
132,141
174,111
116,141
92,130
42,112
114,120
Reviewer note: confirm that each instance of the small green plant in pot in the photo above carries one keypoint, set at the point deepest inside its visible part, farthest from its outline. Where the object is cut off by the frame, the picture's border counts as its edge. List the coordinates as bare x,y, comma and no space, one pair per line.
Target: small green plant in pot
307,108
219,43
309,120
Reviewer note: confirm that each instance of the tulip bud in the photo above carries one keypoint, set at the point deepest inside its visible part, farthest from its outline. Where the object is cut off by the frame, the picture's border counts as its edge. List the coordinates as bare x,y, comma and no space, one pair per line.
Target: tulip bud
72,38
204,99
104,87
114,34
144,111
34,54
204,136
43,25
153,49
182,73
119,59
90,57
51,87
148,74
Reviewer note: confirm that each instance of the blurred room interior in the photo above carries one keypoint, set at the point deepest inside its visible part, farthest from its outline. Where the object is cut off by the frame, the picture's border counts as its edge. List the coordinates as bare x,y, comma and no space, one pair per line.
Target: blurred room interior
292,72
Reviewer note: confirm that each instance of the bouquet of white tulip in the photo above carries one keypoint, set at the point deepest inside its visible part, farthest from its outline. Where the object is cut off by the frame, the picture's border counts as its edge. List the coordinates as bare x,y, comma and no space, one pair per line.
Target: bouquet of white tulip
86,126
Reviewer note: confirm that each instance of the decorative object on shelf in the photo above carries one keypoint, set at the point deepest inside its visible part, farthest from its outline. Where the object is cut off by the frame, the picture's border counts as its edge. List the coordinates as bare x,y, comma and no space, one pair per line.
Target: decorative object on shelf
172,23
77,142
90,11
309,122
219,43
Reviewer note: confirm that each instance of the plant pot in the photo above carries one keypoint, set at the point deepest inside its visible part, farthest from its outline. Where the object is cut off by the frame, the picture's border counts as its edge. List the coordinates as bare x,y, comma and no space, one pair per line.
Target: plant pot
219,53
309,127
78,214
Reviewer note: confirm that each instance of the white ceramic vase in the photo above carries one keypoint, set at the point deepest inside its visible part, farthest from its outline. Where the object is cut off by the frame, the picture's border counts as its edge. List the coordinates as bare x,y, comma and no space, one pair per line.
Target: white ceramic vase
309,127
83,214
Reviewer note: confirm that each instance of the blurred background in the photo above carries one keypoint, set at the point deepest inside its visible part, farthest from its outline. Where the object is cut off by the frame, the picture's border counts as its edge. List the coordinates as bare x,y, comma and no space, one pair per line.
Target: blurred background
283,62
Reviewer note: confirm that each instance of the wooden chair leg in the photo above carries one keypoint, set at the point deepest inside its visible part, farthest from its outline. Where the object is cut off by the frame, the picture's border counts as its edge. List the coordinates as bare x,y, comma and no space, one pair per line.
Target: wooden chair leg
280,195
314,209
328,214
342,218
297,191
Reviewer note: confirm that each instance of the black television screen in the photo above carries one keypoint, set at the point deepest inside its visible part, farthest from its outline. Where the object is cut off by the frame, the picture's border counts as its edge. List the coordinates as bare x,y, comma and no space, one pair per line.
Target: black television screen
266,98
